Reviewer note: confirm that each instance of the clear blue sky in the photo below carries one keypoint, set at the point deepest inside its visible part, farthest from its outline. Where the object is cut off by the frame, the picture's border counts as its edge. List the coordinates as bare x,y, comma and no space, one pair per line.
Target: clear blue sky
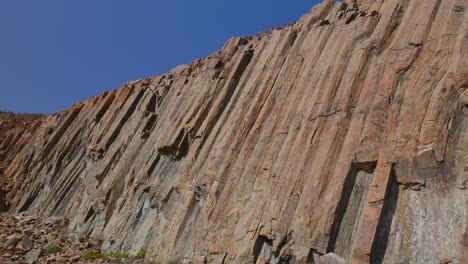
54,53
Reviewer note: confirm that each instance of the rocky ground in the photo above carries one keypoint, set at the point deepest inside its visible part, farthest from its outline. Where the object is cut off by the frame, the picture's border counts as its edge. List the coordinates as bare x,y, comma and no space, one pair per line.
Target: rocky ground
29,239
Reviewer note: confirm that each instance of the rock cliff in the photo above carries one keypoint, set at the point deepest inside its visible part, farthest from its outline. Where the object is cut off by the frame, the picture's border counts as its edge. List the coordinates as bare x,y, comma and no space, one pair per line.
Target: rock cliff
345,132
16,130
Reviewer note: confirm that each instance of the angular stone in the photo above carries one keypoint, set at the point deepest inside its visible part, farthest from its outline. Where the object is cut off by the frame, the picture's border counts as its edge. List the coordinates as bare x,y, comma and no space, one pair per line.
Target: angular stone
12,241
26,243
50,237
33,255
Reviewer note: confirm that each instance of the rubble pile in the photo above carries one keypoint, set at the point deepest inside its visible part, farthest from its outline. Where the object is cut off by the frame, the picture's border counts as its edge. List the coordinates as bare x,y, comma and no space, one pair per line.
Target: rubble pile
29,239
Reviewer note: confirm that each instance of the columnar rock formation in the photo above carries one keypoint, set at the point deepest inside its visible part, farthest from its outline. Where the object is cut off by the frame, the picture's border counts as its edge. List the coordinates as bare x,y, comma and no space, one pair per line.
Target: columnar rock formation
344,132
16,131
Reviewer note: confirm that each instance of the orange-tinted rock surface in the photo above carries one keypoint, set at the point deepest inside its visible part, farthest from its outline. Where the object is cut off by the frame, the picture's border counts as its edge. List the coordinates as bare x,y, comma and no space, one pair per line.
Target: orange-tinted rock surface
345,132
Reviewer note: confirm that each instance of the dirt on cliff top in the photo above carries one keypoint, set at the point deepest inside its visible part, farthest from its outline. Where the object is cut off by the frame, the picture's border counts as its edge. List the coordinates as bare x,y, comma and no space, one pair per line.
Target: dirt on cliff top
16,119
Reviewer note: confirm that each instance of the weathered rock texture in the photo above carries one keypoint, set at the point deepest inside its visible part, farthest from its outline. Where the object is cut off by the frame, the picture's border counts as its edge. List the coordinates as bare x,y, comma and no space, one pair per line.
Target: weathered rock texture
346,132
16,131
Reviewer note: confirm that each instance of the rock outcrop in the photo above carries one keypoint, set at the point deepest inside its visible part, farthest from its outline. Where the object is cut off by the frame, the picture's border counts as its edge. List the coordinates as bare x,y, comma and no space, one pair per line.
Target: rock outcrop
343,133
16,130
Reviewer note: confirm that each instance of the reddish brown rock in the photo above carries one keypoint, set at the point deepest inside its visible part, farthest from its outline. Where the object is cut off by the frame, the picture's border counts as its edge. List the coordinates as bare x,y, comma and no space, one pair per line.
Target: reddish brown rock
344,132
16,131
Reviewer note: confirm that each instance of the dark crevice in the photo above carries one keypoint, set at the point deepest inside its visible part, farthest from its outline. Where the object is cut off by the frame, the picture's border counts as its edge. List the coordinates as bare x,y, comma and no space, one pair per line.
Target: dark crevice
32,196
414,186
313,256
458,8
89,219
67,192
260,242
58,167
4,207
7,142
149,126
112,196
124,120
343,6
417,45
348,210
107,197
287,48
167,197
90,214
324,23
153,102
138,218
110,98
385,222
435,11
368,167
352,18
282,243
225,95
374,13
244,63
340,209
178,149
108,167
323,13
224,258
287,259
66,152
141,213
69,120
332,113
153,165
118,108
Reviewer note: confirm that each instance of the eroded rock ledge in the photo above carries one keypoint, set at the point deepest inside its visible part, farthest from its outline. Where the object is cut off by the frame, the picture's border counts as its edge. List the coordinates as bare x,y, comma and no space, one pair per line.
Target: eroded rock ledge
344,132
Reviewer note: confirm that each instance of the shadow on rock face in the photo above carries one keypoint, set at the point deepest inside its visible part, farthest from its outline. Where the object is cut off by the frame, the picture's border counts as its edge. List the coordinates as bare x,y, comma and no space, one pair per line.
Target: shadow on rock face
3,204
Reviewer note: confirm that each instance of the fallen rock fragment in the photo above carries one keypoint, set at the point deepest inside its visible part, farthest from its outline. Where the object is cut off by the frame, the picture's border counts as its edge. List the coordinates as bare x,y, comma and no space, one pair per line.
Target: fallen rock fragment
32,255
12,241
26,243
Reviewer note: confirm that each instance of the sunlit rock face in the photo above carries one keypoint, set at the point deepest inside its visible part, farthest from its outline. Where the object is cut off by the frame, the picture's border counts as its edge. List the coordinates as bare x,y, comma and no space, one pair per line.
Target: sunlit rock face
343,133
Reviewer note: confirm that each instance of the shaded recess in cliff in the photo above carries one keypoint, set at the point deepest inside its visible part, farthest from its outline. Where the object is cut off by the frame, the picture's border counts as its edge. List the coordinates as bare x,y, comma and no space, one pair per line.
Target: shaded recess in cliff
353,196
385,222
